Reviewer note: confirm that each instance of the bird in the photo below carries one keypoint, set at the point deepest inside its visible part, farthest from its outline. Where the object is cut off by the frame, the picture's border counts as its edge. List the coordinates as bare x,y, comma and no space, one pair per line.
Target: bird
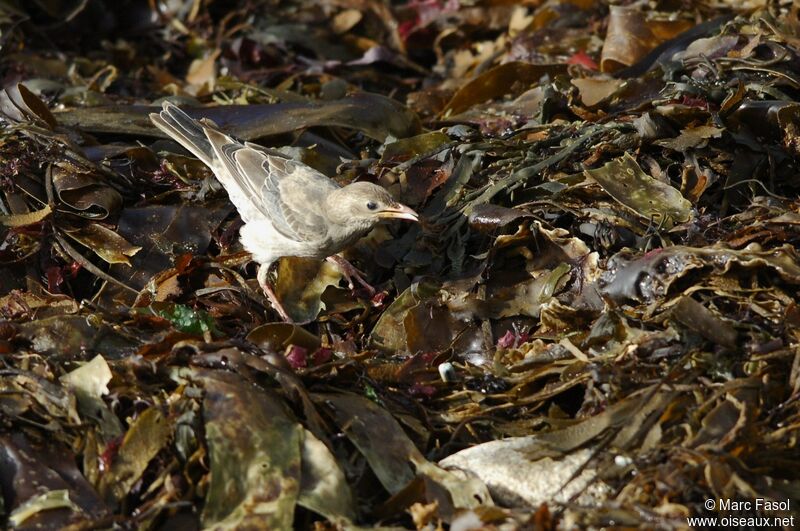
288,208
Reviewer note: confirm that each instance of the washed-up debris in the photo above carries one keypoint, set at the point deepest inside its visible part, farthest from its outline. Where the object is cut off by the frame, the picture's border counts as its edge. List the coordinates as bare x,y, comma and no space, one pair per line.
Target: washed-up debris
595,323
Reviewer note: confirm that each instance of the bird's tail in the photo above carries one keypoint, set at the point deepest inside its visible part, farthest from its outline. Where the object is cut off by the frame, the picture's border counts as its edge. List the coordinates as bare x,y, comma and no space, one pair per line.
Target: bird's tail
185,130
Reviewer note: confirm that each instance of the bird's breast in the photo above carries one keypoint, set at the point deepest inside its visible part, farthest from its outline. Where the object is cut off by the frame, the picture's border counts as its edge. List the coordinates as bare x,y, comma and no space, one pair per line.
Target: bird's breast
266,244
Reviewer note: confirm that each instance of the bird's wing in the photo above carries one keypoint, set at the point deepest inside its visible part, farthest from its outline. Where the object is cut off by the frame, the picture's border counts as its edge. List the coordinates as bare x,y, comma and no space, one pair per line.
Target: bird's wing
185,130
288,193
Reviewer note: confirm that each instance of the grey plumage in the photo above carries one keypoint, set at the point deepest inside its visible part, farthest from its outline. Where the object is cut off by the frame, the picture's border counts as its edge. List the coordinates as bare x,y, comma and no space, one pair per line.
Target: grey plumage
289,209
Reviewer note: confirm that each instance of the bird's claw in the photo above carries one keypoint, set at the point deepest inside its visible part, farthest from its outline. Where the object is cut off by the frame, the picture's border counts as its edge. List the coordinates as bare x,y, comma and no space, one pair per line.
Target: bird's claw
350,273
263,271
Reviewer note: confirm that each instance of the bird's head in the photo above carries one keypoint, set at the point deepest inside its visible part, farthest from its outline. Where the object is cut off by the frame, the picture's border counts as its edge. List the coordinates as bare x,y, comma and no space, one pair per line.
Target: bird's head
366,204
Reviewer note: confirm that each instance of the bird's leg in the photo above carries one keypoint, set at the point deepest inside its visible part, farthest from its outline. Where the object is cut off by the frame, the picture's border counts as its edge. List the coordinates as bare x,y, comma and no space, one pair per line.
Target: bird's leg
263,272
350,273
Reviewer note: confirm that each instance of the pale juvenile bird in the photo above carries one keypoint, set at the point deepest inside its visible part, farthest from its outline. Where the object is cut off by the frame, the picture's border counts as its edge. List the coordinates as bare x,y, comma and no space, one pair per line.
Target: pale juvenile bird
288,208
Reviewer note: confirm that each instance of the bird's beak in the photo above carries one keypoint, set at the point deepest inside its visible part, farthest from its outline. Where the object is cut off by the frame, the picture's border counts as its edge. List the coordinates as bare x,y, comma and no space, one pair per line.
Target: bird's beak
399,212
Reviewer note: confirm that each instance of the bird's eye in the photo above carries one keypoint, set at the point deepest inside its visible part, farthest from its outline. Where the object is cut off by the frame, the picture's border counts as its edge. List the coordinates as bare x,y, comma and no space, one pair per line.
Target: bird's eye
372,205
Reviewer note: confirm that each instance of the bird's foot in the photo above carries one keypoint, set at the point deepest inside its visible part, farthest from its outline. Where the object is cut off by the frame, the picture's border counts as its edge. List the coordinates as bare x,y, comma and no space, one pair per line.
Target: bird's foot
263,270
276,304
351,273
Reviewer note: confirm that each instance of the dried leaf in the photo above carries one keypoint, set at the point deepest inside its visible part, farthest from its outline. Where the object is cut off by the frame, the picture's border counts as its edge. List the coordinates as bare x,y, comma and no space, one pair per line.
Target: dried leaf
692,138
19,104
324,487
277,336
84,191
375,115
653,200
509,78
91,378
52,499
255,472
594,90
29,218
697,317
105,243
301,285
632,33
145,438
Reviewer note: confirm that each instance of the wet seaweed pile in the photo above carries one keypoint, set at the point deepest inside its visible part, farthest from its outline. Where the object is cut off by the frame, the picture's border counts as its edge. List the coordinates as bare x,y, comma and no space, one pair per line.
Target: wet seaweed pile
594,324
